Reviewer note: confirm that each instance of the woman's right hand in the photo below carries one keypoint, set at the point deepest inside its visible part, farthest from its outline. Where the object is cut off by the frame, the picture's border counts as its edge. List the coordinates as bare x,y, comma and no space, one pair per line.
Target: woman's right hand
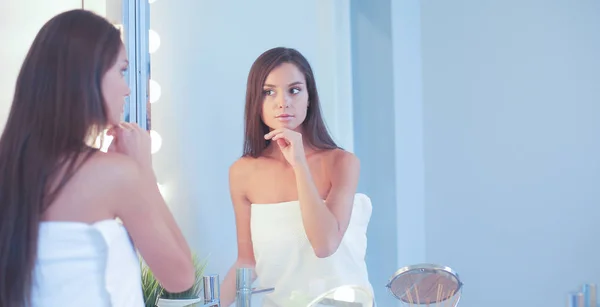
131,140
144,212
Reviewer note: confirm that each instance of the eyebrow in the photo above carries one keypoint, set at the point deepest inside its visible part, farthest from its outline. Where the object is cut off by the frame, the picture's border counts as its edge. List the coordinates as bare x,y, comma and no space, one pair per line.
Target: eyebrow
291,84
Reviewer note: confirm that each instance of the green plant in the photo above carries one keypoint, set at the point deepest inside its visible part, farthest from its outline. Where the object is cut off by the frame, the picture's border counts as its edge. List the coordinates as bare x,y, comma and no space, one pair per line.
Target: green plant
153,291
150,286
194,291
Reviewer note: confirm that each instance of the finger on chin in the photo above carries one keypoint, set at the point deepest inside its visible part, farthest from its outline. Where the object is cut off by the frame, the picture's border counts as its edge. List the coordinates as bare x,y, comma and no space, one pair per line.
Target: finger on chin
269,135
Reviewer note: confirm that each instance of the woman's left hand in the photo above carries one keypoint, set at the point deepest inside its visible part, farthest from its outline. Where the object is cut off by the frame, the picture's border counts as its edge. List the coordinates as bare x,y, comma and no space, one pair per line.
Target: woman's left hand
290,143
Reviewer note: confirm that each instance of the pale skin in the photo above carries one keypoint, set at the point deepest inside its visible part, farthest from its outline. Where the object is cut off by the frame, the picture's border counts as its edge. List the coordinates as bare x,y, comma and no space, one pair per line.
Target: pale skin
324,181
121,183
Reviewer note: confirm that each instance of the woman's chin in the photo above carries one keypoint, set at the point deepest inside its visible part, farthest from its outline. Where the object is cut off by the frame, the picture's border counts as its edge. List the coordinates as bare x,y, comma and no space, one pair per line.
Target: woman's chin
287,125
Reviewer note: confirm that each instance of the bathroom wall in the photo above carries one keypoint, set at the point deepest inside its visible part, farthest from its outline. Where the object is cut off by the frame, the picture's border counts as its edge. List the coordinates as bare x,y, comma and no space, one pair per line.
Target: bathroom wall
375,135
512,146
19,24
110,9
388,125
491,161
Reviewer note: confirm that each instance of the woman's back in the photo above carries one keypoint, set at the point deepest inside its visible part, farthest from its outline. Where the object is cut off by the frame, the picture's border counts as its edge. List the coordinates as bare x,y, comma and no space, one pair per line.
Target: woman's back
85,256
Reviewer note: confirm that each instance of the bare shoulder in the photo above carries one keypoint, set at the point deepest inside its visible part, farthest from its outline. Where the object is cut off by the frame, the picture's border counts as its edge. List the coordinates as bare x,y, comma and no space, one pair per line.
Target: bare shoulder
239,174
100,185
241,168
339,158
109,174
111,167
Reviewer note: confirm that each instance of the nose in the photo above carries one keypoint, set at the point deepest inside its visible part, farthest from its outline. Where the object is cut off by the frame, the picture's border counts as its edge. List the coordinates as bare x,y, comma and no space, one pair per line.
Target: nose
284,101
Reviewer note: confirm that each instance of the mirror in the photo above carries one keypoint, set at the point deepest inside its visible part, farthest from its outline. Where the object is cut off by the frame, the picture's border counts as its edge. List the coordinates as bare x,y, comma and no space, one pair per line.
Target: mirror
426,285
344,296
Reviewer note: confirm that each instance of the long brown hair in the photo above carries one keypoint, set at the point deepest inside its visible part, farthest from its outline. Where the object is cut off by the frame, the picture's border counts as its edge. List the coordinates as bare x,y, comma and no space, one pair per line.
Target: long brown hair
315,131
57,107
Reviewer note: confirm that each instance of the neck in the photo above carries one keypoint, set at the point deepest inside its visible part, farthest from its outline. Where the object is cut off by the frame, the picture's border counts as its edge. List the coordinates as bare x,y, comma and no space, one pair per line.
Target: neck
274,152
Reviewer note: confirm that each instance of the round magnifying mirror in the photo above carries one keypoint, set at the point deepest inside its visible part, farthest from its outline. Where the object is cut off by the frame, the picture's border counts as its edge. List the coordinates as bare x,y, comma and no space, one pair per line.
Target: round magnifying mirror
426,285
344,296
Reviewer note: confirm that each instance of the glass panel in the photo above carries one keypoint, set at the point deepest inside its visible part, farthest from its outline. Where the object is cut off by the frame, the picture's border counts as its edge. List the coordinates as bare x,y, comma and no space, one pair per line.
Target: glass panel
142,27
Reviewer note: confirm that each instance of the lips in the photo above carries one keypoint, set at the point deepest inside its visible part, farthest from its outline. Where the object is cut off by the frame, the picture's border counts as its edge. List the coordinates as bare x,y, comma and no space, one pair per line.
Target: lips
284,116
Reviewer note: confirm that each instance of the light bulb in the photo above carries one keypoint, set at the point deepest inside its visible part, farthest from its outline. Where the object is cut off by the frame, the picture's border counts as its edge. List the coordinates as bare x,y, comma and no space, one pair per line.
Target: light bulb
155,141
153,41
345,295
155,91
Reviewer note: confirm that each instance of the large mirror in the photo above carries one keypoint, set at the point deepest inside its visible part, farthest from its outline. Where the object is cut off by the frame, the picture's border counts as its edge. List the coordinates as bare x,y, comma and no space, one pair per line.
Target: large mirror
475,124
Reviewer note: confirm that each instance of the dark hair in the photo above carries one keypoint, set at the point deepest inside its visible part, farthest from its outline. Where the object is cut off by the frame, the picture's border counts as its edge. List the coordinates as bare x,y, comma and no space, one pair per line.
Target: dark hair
315,131
57,108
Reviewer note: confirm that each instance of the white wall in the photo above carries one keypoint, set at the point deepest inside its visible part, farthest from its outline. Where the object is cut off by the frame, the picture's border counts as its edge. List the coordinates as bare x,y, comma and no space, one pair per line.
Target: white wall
19,24
491,162
207,48
511,104
408,111
110,9
375,136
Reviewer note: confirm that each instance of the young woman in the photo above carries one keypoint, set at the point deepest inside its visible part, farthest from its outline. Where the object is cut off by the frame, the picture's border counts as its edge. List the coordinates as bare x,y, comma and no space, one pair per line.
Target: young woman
298,221
60,242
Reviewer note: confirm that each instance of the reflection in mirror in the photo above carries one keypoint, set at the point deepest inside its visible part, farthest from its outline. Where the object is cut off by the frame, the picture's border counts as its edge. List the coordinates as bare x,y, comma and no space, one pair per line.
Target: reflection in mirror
300,223
426,285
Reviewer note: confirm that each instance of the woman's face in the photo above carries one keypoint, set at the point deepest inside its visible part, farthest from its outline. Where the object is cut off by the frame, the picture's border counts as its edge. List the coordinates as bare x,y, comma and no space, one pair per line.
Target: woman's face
285,98
115,88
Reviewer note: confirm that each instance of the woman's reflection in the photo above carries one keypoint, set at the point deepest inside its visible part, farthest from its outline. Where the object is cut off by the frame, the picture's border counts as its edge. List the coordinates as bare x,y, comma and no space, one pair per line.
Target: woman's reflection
294,189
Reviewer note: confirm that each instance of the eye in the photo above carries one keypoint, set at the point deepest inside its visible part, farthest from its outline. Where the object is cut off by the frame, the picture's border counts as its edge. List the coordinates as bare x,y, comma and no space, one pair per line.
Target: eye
268,92
295,90
123,71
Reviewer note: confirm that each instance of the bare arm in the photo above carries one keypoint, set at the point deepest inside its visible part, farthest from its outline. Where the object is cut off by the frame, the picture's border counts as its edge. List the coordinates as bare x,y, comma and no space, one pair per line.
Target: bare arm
153,229
326,221
241,208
